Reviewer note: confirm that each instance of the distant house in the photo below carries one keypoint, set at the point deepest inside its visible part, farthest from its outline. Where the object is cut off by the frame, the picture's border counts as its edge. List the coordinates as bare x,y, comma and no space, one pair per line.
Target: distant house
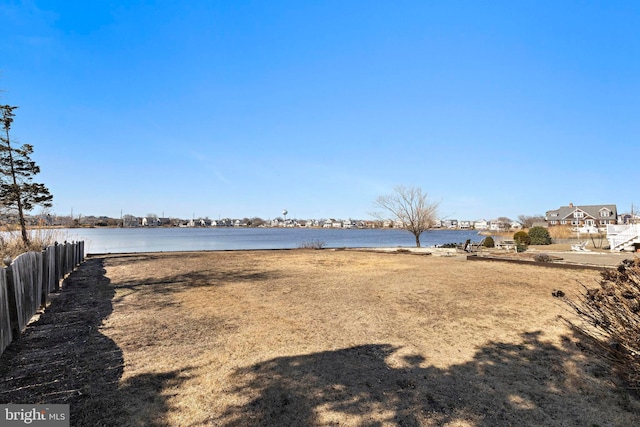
388,223
583,216
465,225
348,224
496,225
150,221
450,223
481,225
629,218
130,221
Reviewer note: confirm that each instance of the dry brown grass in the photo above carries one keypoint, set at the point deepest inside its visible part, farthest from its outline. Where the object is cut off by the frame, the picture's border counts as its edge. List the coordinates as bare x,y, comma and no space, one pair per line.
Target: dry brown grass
561,232
11,244
308,337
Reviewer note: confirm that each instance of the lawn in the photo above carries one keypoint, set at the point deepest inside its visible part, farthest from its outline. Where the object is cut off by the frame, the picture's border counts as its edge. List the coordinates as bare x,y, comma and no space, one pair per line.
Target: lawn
314,337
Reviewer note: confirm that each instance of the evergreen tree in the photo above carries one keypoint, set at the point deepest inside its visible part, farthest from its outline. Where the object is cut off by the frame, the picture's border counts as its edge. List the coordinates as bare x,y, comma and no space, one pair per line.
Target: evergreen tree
18,192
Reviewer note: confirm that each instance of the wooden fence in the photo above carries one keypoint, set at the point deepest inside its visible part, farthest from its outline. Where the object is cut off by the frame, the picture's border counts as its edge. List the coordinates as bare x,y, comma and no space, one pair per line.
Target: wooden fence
25,285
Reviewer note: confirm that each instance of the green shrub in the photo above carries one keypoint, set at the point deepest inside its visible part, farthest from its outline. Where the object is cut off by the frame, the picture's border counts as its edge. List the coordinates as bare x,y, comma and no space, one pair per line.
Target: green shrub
488,242
539,236
522,238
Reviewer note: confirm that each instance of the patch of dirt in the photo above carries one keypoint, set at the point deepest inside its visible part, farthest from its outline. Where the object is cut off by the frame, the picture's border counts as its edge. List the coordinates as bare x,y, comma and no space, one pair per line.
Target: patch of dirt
313,337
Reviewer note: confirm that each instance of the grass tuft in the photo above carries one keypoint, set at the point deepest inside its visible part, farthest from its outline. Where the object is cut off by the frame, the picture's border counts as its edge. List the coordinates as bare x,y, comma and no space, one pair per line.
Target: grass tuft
11,244
313,244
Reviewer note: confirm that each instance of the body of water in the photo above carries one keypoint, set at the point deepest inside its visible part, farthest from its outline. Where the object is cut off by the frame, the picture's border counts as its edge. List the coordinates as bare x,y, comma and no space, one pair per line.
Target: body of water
126,240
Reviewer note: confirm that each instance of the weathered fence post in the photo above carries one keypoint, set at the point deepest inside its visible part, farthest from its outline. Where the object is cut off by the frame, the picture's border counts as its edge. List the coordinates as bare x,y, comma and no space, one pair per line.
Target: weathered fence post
68,261
45,278
6,334
51,268
13,301
35,263
56,255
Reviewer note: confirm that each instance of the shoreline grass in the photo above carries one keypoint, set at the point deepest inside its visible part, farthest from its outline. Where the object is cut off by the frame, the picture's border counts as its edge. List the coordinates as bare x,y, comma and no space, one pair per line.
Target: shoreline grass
12,245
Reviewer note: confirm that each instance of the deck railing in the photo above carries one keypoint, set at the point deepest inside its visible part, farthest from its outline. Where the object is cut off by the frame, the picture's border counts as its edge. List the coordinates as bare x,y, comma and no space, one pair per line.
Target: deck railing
620,235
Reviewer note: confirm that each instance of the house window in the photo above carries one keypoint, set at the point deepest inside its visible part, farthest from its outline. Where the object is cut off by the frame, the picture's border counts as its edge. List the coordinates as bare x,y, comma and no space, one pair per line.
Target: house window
575,222
605,213
563,222
554,222
578,214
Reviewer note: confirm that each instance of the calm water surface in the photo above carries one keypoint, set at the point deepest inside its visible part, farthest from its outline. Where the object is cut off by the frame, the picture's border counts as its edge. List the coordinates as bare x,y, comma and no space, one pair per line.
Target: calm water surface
126,240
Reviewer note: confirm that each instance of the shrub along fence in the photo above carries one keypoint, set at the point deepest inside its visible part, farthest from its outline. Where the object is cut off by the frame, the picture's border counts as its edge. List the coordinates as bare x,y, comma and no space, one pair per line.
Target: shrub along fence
26,283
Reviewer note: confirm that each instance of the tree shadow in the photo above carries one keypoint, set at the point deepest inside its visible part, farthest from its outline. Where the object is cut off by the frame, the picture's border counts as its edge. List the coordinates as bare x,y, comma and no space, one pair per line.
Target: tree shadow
529,383
180,282
64,358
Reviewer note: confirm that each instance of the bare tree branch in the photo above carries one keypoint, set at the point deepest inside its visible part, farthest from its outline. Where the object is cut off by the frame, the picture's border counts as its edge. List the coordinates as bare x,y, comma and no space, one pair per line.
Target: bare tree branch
410,207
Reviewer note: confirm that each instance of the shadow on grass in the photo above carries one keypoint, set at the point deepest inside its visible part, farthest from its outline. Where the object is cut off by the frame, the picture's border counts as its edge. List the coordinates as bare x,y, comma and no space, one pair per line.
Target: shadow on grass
530,383
63,358
158,287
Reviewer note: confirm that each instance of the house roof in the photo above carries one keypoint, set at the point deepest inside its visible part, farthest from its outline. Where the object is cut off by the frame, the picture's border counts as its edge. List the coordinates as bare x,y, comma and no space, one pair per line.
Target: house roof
593,211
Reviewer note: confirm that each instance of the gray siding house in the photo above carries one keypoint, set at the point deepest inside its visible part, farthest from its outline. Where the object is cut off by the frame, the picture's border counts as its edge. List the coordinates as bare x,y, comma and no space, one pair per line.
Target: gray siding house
585,215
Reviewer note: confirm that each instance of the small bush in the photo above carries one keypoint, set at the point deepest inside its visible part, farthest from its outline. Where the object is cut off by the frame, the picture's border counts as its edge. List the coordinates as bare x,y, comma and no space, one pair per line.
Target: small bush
543,258
539,236
522,238
450,245
488,242
314,244
611,318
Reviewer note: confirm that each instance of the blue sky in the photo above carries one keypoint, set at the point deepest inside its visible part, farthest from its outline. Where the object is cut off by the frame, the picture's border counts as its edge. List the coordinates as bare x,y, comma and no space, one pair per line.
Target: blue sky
244,108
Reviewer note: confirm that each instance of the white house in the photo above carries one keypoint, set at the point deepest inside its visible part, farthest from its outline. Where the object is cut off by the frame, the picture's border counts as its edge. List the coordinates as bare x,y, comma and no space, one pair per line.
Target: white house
483,224
465,225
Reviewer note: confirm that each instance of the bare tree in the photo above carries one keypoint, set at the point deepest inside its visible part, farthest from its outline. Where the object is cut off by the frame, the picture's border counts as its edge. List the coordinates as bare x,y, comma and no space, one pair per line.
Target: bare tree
504,223
410,207
528,221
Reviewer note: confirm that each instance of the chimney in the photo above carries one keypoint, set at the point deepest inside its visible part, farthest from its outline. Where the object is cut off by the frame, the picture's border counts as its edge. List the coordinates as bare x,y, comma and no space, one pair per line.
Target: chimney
570,204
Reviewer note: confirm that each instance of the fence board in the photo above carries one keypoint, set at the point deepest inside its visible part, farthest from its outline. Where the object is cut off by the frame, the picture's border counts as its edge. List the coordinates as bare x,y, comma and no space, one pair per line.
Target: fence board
5,321
59,264
27,293
50,268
